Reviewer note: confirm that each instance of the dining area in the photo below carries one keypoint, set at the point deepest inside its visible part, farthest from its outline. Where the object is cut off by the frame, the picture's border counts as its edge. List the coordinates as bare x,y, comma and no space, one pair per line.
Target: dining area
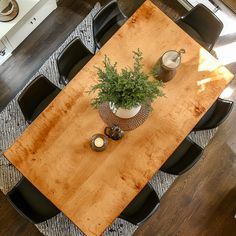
77,155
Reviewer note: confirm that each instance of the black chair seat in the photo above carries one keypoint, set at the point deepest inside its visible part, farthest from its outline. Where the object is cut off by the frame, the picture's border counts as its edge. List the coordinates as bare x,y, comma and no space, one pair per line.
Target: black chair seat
142,207
183,158
216,115
36,97
76,68
71,60
42,105
106,22
31,203
202,24
194,34
109,33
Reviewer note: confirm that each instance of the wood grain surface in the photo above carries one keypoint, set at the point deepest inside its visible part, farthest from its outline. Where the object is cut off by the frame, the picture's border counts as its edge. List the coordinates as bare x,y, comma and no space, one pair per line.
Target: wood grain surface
93,188
231,4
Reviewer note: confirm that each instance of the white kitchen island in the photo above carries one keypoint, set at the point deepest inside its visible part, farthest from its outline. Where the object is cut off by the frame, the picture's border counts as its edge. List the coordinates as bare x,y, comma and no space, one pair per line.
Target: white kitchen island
31,14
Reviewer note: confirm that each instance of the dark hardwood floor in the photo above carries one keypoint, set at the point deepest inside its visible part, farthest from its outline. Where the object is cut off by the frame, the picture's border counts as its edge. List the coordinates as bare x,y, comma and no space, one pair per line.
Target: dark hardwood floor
13,224
32,53
201,202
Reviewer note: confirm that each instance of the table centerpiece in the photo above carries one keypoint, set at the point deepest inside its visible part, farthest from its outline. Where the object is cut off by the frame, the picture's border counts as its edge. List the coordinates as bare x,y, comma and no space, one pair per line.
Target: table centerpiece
125,91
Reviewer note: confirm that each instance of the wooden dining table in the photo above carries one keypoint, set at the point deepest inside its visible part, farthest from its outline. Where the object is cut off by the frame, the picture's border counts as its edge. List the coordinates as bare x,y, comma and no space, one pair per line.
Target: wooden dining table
93,188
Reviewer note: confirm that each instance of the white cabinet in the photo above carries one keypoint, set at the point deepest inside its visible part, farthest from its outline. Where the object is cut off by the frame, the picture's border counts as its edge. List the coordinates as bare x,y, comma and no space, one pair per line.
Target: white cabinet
31,14
5,50
2,48
38,13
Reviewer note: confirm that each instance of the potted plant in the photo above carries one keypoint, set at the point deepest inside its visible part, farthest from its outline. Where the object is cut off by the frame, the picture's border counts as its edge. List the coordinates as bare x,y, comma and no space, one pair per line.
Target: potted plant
126,90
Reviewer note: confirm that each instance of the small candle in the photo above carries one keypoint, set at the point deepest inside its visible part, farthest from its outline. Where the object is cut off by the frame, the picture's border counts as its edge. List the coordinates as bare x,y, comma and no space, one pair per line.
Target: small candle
98,142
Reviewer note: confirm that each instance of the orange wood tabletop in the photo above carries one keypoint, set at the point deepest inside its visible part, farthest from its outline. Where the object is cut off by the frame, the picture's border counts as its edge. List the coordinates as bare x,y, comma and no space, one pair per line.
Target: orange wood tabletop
93,188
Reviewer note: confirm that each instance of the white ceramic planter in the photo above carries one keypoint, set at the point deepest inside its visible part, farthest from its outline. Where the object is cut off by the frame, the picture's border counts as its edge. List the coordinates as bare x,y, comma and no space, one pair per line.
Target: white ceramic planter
125,113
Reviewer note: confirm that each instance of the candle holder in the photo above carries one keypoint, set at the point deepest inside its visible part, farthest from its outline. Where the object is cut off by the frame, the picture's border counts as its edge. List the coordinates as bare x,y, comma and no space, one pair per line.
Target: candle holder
165,68
98,142
114,132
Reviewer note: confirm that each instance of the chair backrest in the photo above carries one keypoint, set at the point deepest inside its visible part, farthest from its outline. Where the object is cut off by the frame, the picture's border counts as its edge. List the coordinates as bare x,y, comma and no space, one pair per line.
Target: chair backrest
74,52
31,203
34,93
142,207
183,158
216,115
205,22
105,18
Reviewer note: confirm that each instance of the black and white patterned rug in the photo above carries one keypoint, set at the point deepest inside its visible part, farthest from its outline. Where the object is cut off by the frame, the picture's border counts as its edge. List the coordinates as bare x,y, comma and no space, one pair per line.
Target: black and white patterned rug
12,124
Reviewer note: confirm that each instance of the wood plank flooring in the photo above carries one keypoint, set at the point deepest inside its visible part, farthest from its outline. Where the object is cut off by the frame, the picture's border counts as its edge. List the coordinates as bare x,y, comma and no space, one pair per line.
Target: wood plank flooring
13,224
231,4
36,48
201,202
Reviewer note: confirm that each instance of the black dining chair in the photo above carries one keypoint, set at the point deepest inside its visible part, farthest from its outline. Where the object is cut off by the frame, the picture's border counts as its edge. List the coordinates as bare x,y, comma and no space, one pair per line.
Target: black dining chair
184,158
106,22
142,207
202,25
30,202
71,60
216,115
36,97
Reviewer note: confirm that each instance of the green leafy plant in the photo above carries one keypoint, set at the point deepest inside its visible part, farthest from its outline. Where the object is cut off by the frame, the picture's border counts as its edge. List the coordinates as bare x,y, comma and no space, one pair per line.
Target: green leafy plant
126,89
